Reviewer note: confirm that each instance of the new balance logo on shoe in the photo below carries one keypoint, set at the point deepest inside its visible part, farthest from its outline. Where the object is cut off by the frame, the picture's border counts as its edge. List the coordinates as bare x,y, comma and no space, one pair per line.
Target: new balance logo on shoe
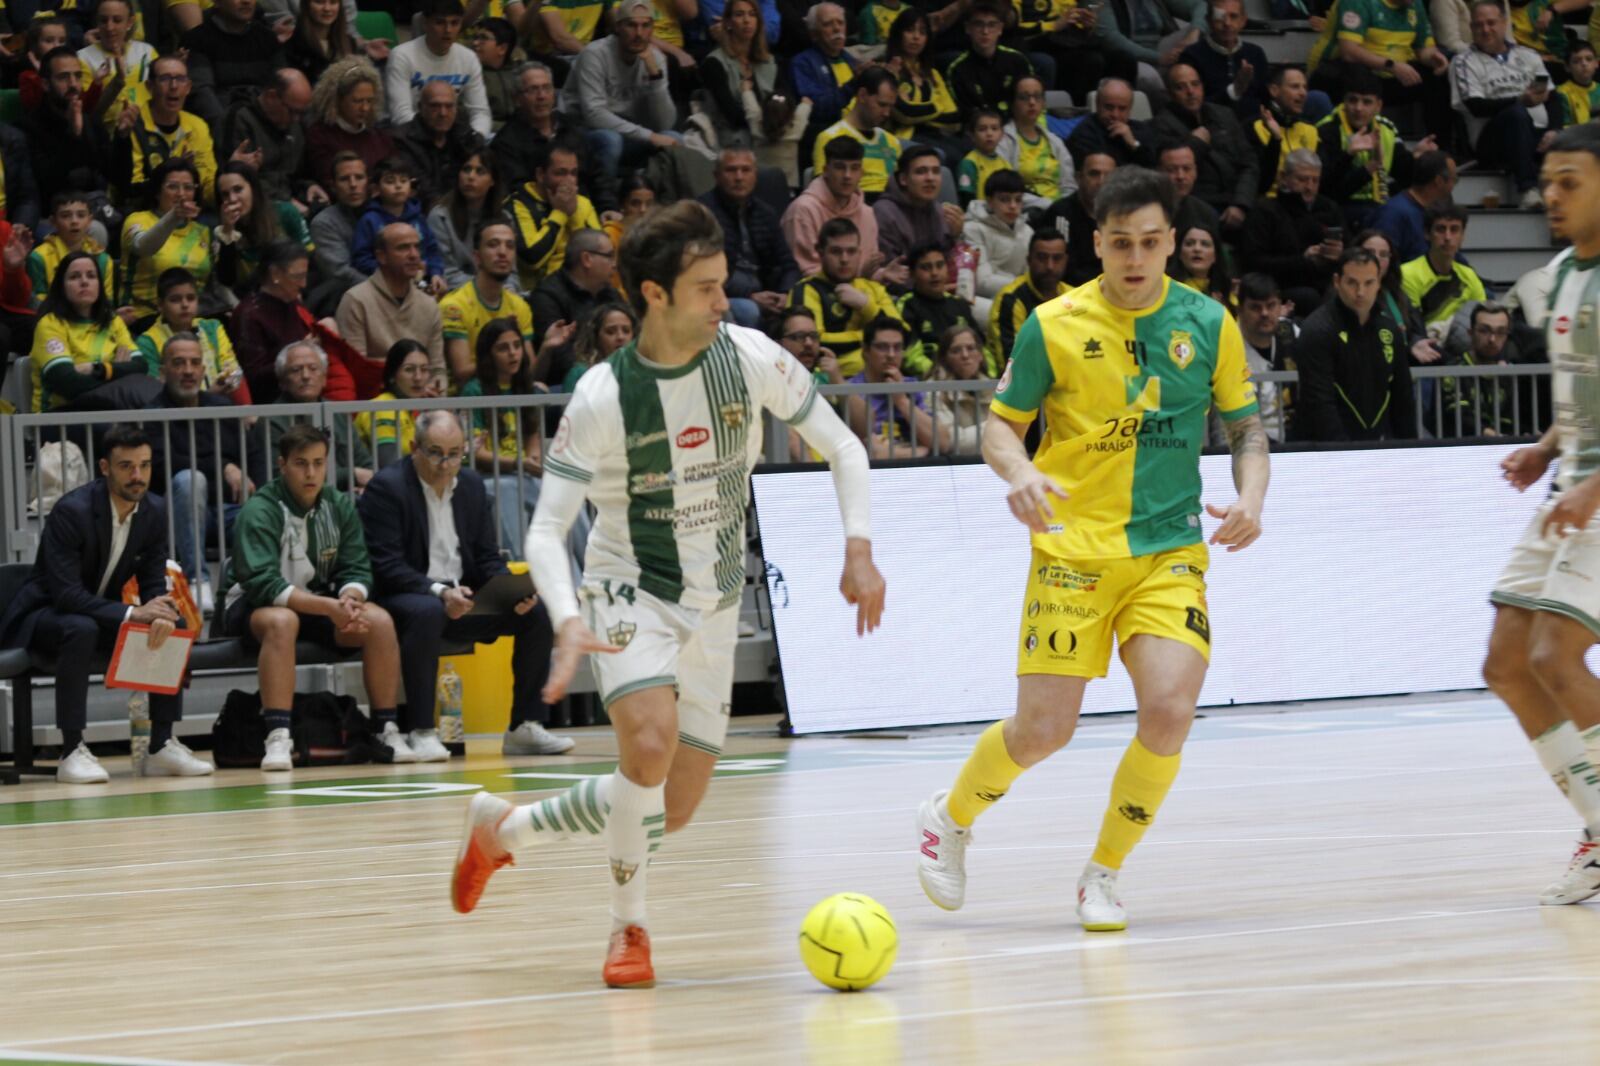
930,840
1134,813
622,872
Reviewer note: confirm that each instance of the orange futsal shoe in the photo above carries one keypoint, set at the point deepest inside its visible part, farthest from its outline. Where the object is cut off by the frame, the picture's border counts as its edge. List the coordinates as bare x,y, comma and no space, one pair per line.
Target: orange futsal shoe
480,854
628,961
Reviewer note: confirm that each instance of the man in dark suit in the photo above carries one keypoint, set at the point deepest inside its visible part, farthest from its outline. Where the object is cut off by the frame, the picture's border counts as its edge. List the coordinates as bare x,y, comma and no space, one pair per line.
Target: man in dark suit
97,537
430,532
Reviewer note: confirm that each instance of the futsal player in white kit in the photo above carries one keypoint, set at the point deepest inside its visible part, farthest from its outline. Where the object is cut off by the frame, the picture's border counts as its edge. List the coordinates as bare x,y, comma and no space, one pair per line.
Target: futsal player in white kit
661,438
1547,600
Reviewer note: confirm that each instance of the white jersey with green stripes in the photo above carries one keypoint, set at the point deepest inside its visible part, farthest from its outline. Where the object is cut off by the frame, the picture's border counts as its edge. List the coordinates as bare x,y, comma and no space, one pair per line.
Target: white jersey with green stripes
1573,329
666,454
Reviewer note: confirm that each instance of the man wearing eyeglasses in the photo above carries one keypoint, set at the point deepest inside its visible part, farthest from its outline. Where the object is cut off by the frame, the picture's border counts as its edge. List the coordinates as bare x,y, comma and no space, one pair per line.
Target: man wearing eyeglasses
269,122
430,533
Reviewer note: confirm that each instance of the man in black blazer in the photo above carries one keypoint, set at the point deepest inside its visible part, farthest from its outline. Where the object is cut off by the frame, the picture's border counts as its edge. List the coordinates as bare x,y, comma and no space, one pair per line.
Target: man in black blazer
97,537
425,573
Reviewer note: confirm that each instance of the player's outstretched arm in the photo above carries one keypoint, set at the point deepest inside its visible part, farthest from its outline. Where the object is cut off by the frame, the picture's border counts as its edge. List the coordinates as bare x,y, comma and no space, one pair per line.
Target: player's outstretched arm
1031,488
560,500
1241,521
861,584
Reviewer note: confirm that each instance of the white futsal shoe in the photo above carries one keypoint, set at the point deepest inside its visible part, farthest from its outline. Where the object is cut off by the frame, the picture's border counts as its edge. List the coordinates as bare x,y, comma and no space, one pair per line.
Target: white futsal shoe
175,759
427,747
1099,906
942,858
280,751
391,738
80,767
1582,878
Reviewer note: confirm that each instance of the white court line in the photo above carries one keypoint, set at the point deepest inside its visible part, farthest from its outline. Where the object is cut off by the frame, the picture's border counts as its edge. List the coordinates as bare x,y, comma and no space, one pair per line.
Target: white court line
1016,800
1322,988
296,810
100,1060
588,993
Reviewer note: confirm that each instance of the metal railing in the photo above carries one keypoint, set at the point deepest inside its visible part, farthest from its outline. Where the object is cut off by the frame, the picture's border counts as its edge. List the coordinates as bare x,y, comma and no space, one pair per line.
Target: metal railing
1464,401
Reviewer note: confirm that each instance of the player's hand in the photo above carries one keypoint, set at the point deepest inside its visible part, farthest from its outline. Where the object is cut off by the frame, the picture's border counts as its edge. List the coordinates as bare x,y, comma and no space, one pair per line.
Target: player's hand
1029,499
862,585
457,601
1241,525
1573,510
574,642
1525,466
160,630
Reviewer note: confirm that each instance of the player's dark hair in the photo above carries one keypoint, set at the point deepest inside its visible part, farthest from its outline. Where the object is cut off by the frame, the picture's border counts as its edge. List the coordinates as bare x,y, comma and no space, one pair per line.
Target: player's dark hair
1130,188
1584,138
665,243
1356,257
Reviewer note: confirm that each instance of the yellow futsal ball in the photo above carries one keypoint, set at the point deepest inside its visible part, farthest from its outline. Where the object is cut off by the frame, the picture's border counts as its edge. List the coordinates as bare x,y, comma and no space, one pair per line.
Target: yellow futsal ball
848,941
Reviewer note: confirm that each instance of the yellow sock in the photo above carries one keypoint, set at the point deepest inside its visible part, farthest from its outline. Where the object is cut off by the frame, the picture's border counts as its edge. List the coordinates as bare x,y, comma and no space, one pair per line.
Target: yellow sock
988,772
1137,790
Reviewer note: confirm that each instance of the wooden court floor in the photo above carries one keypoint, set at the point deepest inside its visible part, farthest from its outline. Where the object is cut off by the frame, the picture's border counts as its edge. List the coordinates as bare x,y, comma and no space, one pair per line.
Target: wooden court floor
1336,883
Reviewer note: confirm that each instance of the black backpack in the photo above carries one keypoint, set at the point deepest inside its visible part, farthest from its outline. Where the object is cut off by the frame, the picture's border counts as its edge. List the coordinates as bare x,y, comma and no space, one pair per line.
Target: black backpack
328,730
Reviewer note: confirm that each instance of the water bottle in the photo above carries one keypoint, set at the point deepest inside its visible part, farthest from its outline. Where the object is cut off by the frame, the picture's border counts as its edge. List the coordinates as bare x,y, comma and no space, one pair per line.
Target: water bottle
964,269
450,730
139,730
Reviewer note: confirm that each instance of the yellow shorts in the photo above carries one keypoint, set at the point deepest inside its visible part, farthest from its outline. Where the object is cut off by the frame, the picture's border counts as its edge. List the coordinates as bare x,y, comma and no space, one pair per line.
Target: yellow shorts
1072,609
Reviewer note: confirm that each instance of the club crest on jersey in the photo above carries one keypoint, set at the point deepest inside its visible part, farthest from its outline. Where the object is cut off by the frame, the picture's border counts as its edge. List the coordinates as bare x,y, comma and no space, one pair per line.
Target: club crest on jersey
1181,349
1005,379
732,414
621,634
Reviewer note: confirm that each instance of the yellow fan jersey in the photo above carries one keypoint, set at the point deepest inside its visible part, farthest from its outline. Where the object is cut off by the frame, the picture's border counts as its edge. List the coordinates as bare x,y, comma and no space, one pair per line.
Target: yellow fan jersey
1125,396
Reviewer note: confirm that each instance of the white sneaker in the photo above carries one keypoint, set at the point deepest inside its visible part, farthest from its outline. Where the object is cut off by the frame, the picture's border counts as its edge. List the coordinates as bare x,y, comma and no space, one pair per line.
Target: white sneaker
942,860
207,599
1532,200
80,767
175,760
427,747
531,738
391,737
280,751
1099,906
1582,878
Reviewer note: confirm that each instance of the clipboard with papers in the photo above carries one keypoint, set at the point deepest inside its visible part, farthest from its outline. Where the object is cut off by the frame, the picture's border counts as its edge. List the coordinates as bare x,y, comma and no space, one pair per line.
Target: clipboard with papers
501,594
135,665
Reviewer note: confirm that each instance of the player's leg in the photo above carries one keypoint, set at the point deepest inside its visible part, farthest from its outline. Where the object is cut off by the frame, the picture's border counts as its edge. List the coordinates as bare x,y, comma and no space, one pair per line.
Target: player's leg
646,722
1064,640
1557,647
705,689
1167,677
1165,637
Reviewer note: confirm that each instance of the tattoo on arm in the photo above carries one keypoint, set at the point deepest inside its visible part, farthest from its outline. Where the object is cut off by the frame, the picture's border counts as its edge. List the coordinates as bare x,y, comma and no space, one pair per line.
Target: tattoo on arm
1248,436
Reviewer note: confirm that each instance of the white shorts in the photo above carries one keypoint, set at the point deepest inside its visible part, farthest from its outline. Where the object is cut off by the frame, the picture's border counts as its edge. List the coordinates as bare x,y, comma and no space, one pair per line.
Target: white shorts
665,644
1556,574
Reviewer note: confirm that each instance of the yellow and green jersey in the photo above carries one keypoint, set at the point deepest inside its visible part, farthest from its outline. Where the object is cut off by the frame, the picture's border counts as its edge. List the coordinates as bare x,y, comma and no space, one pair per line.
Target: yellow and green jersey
153,146
379,428
974,172
841,327
1125,396
581,17
1396,33
874,22
542,232
882,154
1552,42
668,28
465,314
188,247
46,257
59,341
1581,101
1039,167
220,361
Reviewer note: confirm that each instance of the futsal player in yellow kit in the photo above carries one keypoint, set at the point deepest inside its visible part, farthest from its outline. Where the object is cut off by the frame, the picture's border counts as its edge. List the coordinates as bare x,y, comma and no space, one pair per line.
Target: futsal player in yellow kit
1125,369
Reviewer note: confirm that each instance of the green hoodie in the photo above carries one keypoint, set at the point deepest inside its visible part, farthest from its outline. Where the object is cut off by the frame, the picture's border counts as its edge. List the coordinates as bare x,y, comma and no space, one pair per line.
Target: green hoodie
278,546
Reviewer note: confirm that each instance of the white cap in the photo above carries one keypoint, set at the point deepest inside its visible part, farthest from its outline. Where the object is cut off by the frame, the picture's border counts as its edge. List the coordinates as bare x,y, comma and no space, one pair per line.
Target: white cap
626,8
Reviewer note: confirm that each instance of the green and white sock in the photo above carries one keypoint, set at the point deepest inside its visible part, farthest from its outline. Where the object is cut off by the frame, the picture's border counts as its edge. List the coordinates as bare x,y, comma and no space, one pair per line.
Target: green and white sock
1562,753
578,813
633,832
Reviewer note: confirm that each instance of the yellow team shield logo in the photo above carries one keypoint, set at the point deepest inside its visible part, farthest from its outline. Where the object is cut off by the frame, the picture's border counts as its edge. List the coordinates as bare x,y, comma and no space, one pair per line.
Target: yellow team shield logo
1181,349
